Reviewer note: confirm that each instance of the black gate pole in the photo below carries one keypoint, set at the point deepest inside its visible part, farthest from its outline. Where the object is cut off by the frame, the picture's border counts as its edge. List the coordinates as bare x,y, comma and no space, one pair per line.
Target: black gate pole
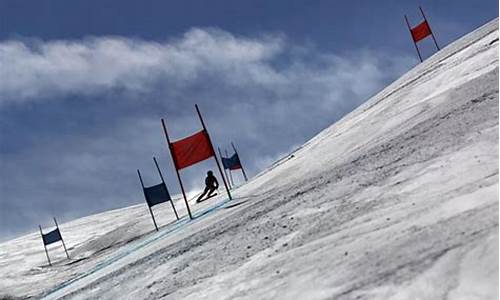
62,240
230,171
45,247
146,197
225,173
428,25
242,169
165,185
215,156
176,169
414,43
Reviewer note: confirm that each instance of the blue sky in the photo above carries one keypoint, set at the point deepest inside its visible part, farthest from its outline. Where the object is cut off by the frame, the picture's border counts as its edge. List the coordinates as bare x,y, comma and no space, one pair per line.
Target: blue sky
83,85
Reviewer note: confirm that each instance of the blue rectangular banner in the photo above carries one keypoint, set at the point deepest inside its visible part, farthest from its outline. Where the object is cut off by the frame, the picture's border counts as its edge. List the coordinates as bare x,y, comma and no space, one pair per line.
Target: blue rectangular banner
52,237
156,194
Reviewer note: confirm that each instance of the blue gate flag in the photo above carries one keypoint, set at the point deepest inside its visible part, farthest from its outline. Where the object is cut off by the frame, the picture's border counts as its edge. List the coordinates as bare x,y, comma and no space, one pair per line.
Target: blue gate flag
51,237
231,163
157,194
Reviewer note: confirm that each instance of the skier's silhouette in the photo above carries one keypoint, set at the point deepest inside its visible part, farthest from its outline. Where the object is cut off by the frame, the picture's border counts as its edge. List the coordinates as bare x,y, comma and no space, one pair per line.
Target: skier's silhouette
211,184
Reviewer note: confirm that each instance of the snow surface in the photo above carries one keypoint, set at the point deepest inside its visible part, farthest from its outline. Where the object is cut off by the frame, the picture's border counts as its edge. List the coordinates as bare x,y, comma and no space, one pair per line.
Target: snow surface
398,200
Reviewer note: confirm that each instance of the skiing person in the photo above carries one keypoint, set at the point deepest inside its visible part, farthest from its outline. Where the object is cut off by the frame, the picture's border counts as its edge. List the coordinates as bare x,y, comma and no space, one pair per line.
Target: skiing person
211,184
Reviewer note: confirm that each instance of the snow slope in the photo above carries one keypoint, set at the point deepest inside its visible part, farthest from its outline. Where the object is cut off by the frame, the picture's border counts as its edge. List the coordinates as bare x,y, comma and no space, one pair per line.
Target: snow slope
398,200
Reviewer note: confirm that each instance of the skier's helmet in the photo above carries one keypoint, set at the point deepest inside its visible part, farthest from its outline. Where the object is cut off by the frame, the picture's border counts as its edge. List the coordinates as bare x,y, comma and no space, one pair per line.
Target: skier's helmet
210,173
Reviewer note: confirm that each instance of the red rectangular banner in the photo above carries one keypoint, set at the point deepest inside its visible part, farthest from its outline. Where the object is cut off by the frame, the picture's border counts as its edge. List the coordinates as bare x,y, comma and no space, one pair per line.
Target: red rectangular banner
191,150
421,31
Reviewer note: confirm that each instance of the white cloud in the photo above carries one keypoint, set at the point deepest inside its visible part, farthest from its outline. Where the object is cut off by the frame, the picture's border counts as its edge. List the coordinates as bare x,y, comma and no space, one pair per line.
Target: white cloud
37,69
40,69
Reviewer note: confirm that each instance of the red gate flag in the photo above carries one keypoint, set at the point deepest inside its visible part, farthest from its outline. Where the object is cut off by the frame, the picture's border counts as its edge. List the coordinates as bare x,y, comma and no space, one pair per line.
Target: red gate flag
191,150
421,31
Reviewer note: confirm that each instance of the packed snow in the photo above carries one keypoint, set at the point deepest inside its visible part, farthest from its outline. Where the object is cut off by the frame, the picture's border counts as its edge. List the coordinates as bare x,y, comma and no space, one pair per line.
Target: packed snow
398,200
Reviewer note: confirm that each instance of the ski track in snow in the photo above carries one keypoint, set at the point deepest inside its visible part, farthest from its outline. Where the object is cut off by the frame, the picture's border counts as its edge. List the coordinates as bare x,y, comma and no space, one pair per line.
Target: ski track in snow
398,200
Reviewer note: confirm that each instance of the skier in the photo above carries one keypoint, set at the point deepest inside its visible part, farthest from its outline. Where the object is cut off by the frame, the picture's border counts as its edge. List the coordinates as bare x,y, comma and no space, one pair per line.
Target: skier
211,185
